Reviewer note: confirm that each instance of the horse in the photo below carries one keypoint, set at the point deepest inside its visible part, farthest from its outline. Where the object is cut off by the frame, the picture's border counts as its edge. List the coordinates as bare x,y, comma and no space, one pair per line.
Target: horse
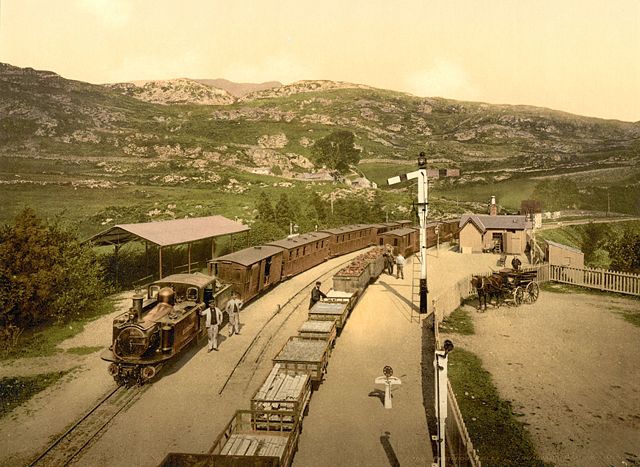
487,286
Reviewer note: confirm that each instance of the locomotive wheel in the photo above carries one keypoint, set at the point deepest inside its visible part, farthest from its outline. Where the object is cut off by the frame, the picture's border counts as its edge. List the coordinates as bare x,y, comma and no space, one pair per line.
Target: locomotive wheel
533,290
518,296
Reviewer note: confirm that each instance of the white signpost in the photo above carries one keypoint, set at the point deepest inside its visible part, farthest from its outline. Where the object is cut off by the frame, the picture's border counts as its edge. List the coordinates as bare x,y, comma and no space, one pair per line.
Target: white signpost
388,380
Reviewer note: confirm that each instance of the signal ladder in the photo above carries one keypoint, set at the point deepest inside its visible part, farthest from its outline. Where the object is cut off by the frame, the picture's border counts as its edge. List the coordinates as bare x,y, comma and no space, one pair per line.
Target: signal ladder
415,288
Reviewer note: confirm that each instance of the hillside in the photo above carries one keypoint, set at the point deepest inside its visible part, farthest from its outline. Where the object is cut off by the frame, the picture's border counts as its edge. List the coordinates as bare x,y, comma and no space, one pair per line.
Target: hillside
59,132
239,89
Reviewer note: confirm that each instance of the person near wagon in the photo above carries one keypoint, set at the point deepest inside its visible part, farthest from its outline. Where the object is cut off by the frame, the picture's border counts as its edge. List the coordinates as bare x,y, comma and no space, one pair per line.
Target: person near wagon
233,310
400,262
389,260
213,320
316,295
515,263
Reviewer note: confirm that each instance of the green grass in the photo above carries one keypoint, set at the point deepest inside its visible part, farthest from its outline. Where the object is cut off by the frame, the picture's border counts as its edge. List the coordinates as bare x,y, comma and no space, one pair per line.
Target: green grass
509,193
630,317
43,341
497,435
84,350
16,391
458,322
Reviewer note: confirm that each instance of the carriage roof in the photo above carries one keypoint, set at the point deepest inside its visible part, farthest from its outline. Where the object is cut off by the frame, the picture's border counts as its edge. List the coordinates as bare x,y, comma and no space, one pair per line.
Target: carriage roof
197,279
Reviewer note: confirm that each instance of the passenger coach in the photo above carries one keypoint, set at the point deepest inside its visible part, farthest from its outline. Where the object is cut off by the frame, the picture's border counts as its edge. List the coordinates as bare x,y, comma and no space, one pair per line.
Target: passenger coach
350,238
303,252
249,271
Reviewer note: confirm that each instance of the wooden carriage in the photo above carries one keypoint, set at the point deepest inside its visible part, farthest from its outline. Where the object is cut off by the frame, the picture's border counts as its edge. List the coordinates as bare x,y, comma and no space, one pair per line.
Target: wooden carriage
249,271
350,238
404,240
303,252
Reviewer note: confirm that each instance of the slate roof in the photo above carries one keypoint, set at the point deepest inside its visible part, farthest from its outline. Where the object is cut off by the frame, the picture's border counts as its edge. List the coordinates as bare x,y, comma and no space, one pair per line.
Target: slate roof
486,222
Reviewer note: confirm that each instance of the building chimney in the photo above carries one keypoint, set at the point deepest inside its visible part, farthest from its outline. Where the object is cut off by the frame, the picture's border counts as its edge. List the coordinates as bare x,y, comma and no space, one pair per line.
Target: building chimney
493,208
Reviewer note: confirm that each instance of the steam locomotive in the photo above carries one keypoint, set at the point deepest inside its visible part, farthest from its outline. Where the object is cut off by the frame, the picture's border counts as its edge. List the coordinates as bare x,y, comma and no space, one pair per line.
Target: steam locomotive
157,327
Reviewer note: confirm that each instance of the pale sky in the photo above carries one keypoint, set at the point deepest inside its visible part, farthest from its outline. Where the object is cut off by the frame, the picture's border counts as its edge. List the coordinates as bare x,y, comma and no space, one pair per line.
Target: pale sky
580,56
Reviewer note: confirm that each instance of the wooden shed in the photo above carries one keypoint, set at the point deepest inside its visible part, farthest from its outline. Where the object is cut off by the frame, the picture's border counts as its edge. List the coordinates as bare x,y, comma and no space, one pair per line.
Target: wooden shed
405,240
302,252
558,254
250,271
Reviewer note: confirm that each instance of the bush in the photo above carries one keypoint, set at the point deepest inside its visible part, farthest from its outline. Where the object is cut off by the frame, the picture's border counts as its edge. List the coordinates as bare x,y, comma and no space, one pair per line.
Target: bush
46,274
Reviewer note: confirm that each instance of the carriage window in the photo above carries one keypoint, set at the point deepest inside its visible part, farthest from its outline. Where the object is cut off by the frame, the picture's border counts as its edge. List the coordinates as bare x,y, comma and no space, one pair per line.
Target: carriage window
267,267
192,294
153,291
304,250
290,255
395,242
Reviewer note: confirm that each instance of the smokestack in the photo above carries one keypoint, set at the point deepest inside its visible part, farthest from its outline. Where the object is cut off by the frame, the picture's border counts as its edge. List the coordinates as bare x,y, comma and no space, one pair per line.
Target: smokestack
493,208
137,305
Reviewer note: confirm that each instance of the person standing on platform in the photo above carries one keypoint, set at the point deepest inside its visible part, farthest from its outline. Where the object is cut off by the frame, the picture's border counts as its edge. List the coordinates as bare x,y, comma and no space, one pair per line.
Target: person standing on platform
316,294
233,310
213,320
400,262
389,260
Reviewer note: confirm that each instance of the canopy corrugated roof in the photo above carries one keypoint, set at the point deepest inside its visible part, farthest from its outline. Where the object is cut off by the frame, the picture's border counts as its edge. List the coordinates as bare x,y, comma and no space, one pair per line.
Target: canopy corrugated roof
173,232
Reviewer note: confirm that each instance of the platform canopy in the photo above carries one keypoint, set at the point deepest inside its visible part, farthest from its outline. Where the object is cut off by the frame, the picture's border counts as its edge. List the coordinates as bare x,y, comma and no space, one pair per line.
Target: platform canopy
168,233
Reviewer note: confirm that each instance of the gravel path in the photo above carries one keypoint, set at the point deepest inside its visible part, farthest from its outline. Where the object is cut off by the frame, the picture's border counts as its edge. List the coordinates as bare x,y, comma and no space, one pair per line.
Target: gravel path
569,364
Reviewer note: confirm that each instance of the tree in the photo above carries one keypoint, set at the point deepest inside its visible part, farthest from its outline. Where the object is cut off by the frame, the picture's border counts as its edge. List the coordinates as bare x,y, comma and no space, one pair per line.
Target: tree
46,274
337,151
283,211
625,253
265,209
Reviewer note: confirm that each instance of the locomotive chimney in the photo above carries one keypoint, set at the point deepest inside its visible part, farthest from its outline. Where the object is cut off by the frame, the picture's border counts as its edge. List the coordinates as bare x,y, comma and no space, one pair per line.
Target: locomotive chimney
137,305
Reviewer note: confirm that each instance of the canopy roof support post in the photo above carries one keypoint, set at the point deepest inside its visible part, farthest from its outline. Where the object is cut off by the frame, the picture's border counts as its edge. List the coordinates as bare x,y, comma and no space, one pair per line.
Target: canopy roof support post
189,258
160,262
213,247
117,248
146,256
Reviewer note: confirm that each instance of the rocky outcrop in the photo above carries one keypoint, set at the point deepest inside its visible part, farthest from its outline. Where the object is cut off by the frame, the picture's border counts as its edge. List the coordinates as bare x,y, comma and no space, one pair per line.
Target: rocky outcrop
174,91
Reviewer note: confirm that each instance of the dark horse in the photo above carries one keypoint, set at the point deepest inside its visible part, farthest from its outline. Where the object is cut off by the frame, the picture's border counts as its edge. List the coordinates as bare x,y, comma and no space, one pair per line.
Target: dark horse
487,286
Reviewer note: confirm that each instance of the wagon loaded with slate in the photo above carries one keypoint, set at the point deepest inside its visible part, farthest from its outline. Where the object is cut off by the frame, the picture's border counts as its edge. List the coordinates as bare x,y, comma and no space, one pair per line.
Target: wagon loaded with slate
284,392
305,355
336,307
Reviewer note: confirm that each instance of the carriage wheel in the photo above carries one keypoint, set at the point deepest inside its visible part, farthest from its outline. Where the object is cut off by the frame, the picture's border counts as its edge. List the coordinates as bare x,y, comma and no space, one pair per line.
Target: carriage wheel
518,296
533,290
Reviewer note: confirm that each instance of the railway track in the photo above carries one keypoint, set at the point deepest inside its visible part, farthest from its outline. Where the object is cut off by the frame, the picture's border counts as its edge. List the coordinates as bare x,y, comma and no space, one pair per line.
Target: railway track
273,325
68,446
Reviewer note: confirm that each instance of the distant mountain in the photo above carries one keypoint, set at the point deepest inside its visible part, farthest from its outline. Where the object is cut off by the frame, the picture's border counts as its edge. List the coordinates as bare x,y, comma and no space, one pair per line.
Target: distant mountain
239,89
174,91
139,134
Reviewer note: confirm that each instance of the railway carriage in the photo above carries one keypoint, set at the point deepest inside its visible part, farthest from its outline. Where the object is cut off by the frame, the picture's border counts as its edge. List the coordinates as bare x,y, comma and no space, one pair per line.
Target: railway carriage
303,252
250,271
350,238
157,327
404,240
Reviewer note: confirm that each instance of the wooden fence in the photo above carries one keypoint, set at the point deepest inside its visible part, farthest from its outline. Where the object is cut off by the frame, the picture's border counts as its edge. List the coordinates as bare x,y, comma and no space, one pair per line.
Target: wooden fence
601,279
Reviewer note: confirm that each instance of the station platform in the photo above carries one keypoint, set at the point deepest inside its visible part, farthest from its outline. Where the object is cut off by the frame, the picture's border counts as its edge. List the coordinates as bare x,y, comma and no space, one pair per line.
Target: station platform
347,423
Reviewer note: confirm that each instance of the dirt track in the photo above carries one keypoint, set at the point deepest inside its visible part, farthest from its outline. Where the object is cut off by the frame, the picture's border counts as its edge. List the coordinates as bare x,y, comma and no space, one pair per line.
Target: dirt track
569,364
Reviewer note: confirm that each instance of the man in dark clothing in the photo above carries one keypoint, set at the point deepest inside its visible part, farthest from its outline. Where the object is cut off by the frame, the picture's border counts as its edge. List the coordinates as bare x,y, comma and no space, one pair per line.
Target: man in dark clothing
316,294
515,263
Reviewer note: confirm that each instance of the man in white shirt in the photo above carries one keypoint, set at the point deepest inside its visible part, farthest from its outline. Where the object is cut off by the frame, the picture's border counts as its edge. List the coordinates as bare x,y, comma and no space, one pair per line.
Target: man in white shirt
233,310
400,266
212,323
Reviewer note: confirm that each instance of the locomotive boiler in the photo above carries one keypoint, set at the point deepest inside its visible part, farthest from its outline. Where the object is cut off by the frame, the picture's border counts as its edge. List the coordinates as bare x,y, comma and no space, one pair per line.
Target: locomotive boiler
159,326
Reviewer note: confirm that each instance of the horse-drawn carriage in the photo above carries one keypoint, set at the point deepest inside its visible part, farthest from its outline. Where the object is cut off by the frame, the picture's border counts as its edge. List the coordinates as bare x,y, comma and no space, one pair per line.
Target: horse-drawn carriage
507,286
